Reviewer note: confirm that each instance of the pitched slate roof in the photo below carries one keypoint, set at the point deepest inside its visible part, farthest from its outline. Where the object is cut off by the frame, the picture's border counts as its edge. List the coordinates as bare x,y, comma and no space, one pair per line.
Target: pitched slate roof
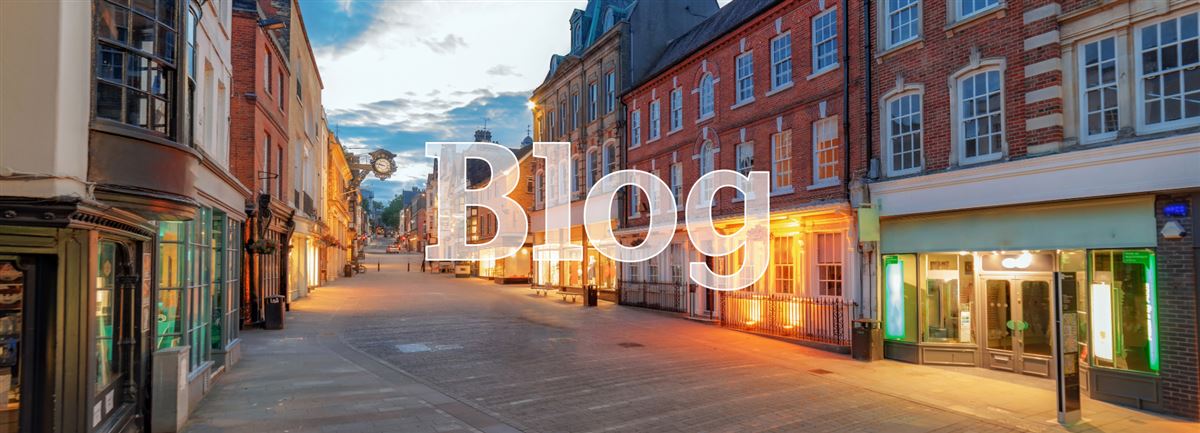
724,21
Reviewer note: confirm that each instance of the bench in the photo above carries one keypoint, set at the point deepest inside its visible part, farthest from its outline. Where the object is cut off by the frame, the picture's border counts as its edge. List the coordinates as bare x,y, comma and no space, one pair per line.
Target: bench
567,294
541,290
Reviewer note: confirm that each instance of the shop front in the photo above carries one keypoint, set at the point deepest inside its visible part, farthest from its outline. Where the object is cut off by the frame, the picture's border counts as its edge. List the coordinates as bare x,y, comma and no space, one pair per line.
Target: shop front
976,288
594,270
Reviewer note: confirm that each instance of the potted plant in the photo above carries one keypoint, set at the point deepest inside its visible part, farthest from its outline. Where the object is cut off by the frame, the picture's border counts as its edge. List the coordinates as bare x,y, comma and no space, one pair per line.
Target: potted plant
263,246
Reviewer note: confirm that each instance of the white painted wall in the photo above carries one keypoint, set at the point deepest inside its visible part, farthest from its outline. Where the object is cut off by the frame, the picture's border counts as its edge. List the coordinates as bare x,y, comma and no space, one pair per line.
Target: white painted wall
45,62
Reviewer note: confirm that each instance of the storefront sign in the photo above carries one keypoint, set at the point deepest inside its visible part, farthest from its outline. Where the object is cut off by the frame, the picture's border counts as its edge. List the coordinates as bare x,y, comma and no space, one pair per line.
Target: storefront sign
1018,262
964,325
1101,315
1066,339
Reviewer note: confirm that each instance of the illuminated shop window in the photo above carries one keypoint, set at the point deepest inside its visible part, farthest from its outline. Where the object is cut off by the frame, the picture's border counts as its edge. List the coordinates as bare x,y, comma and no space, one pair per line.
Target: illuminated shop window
947,298
106,366
1124,314
900,297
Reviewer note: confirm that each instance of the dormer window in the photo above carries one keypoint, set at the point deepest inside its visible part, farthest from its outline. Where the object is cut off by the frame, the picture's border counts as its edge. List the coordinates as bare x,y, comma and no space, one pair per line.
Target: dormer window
609,20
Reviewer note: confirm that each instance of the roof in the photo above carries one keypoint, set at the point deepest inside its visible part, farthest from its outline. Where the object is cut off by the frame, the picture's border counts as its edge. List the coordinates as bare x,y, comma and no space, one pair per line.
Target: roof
725,20
592,26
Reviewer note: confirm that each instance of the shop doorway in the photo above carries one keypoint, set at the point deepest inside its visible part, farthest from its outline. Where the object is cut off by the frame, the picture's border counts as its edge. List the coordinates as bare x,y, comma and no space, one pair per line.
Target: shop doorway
1019,324
26,288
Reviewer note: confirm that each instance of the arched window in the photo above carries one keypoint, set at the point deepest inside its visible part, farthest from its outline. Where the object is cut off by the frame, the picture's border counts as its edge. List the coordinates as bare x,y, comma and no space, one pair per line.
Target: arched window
706,96
708,156
609,20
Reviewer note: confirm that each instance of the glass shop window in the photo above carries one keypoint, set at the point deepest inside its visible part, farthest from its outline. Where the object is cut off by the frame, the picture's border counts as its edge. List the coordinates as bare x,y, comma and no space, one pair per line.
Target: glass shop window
106,276
168,330
948,296
900,297
1124,316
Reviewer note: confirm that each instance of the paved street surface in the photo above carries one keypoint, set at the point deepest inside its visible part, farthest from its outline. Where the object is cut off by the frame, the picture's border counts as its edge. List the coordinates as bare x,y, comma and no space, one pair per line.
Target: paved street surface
401,351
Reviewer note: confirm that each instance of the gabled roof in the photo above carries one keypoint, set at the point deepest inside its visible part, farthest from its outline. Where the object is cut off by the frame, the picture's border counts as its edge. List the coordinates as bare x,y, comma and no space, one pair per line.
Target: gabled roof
724,21
591,23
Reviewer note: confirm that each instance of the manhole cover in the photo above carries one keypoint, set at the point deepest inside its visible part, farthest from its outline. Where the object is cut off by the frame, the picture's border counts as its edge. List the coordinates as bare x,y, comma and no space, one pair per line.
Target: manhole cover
820,371
630,344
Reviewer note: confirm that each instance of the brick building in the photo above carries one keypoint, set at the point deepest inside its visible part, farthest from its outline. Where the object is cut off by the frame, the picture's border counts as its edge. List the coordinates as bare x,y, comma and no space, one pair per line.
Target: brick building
1028,148
613,44
761,86
260,147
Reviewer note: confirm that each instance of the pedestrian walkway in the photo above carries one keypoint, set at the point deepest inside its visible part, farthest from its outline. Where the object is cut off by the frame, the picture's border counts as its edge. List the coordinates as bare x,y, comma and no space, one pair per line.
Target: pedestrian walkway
304,379
401,351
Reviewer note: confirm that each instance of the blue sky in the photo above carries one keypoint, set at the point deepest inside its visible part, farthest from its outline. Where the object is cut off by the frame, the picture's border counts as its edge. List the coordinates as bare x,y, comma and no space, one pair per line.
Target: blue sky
398,73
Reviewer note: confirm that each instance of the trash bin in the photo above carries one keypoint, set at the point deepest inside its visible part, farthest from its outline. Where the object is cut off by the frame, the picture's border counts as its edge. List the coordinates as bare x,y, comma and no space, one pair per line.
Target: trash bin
591,296
866,342
274,313
348,271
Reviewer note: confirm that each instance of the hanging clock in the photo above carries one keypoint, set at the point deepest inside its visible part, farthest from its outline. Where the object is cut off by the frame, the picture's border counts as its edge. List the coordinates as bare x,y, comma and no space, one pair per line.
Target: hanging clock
382,163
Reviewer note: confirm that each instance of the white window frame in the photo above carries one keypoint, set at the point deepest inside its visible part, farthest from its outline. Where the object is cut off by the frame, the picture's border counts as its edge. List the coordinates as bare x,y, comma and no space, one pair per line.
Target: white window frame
574,111
889,24
610,92
821,125
777,159
1081,58
676,109
778,62
744,77
655,120
836,239
593,101
784,276
744,155
578,174
539,185
1164,125
817,68
677,183
959,132
594,167
635,128
634,201
609,156
706,97
958,8
889,134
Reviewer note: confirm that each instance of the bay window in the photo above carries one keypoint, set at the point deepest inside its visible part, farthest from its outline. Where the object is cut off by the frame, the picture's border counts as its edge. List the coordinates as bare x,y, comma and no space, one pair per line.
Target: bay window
136,64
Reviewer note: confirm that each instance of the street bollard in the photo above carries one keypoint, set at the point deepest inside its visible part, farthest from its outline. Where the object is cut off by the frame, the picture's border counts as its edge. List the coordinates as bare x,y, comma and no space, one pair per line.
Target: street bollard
409,268
377,265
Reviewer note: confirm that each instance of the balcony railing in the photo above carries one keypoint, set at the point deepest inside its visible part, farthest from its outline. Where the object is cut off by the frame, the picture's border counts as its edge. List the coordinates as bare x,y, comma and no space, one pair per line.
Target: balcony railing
821,320
660,296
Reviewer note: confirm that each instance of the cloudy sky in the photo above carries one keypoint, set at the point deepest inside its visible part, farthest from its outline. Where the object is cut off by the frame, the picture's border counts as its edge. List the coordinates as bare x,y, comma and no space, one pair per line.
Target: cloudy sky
398,73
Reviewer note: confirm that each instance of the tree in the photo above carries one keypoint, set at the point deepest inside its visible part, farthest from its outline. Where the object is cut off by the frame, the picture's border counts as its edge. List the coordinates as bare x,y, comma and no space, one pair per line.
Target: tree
391,213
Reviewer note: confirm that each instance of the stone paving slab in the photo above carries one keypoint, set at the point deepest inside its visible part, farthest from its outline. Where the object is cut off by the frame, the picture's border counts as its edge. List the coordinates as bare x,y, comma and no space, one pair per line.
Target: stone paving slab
401,351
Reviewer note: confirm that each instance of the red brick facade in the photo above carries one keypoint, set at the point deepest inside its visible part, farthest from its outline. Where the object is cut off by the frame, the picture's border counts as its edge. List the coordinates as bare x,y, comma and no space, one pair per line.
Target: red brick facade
256,112
794,108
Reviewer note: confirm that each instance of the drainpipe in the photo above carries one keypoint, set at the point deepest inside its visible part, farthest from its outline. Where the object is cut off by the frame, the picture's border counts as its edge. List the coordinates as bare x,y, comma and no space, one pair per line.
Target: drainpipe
846,99
868,99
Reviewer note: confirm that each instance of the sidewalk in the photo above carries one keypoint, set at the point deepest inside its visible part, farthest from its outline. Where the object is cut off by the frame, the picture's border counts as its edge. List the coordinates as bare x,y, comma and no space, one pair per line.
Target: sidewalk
304,379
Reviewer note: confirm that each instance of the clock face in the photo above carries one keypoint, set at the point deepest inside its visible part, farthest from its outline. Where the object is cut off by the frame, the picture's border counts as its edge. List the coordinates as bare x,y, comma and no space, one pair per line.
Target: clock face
383,165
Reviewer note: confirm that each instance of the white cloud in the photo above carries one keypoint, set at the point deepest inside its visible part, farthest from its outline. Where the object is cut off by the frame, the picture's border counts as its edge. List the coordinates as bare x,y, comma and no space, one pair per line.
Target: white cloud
345,6
391,57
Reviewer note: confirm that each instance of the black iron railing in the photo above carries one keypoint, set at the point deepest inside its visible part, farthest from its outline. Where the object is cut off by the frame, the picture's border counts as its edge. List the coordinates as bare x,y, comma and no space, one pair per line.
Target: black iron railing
660,296
822,320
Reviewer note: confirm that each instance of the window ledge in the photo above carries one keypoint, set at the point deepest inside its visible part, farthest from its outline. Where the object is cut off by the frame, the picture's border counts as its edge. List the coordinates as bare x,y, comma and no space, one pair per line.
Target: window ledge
635,146
961,24
824,184
782,191
914,44
821,72
650,140
744,103
781,88
706,117
674,130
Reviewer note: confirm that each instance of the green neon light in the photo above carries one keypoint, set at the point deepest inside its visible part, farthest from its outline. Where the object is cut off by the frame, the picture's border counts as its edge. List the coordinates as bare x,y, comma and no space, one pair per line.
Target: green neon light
893,277
1146,259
